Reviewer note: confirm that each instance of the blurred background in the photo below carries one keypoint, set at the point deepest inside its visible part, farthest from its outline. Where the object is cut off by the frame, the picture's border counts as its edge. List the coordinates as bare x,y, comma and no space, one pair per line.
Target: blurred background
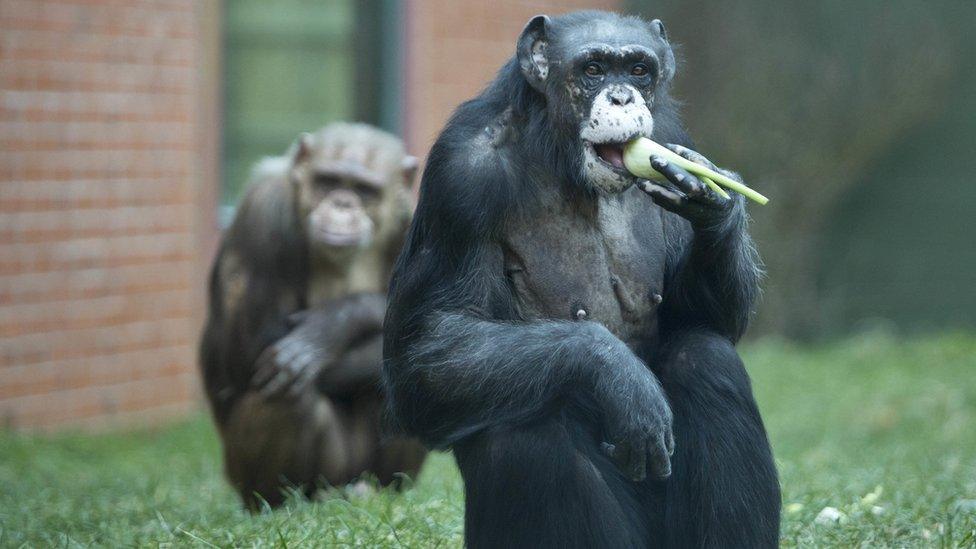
127,129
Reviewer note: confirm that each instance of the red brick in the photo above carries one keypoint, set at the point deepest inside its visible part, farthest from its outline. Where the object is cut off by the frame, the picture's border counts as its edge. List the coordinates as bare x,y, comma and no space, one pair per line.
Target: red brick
105,139
455,48
101,235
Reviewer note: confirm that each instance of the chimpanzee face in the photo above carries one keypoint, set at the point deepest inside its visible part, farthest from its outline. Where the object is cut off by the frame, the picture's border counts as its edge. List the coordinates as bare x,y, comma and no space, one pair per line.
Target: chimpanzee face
347,182
608,72
345,210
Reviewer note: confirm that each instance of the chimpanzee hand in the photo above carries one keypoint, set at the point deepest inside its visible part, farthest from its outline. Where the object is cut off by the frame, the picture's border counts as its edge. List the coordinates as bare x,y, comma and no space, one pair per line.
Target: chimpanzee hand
638,426
317,339
685,194
291,364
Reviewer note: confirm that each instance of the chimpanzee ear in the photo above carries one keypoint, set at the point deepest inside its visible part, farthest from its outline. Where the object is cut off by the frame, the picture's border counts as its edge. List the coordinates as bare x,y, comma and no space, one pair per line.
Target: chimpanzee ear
658,25
409,168
303,148
531,51
668,64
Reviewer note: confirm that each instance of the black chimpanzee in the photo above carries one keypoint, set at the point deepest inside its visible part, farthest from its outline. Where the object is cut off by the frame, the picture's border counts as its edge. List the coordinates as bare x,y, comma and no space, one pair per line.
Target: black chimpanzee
554,320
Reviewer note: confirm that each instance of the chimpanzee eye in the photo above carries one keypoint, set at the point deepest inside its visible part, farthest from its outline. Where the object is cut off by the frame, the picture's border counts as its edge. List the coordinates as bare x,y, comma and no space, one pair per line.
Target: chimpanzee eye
639,69
326,181
593,69
367,192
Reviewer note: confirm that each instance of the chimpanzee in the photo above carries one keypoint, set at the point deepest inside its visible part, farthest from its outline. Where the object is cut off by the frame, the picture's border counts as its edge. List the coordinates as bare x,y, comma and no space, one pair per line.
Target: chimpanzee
553,320
292,350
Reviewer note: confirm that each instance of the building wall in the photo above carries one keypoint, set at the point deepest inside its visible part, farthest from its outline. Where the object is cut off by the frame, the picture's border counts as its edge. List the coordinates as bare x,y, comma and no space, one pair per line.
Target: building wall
454,48
106,207
109,133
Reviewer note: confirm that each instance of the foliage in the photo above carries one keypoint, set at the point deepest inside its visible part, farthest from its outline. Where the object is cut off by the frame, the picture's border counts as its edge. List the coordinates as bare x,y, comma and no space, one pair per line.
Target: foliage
806,100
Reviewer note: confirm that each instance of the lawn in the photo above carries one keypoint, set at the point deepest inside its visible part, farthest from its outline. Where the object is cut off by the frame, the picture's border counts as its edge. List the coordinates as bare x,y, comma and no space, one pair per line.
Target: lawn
881,430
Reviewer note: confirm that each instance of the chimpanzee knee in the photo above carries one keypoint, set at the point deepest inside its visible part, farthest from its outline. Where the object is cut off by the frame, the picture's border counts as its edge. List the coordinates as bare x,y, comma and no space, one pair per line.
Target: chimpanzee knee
545,485
723,491
703,362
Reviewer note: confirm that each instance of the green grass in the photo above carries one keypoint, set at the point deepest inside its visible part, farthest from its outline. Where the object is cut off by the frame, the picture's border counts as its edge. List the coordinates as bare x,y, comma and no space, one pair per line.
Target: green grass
844,419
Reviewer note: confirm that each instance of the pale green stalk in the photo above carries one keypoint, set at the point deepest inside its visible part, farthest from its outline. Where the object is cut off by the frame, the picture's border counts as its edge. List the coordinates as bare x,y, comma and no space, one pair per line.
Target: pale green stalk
637,159
714,186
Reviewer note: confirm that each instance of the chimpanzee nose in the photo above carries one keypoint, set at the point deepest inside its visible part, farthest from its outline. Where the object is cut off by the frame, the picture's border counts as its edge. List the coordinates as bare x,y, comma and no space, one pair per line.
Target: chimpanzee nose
344,199
621,97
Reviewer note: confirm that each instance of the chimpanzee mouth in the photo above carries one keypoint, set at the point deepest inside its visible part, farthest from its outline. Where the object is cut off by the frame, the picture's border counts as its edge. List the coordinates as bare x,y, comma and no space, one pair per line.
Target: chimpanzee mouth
610,155
340,239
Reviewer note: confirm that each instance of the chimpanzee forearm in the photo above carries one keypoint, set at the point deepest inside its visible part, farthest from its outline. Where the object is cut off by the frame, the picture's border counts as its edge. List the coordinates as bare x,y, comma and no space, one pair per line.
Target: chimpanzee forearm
361,366
466,373
342,322
317,341
716,276
237,332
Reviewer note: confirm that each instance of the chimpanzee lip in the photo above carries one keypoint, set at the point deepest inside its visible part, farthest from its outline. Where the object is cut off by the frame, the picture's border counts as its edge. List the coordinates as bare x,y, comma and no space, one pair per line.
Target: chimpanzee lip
339,239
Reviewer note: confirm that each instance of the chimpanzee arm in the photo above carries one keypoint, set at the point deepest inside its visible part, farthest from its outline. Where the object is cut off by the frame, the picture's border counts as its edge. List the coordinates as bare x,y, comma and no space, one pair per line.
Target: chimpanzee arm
361,367
318,342
257,280
466,373
713,270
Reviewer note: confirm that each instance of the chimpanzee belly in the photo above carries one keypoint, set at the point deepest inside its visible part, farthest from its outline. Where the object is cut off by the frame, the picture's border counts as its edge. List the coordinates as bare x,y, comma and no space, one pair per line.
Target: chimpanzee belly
606,267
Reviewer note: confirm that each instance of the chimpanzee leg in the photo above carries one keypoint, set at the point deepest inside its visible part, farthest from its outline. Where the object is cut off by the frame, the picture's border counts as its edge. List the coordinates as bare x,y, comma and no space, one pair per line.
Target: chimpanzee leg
386,457
723,490
269,445
397,457
546,485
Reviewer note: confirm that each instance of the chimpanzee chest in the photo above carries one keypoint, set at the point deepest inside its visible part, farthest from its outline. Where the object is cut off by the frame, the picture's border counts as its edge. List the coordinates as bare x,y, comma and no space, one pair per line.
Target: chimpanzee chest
605,266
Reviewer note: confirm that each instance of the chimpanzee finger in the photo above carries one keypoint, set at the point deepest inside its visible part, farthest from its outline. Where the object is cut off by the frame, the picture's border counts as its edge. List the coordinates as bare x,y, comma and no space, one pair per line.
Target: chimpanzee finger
679,177
692,155
669,442
286,351
261,377
638,469
632,460
673,201
274,386
668,199
623,455
302,381
293,376
297,318
265,368
660,458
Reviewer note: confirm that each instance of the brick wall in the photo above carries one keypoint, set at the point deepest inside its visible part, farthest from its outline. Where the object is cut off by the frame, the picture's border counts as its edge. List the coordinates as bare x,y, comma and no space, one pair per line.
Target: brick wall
108,182
107,175
454,49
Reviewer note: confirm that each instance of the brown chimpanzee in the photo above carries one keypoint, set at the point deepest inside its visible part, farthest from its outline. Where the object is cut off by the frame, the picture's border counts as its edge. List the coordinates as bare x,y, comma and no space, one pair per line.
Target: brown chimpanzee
554,320
292,350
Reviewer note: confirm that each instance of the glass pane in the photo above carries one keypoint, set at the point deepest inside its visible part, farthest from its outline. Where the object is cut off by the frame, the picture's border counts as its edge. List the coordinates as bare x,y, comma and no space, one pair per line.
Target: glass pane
288,67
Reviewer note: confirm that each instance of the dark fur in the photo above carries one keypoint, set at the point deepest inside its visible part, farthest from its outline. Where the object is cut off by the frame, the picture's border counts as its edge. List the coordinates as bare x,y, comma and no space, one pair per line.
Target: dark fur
523,402
268,234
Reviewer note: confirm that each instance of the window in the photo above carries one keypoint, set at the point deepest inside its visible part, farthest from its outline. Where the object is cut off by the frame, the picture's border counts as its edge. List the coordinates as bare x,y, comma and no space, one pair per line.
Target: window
293,66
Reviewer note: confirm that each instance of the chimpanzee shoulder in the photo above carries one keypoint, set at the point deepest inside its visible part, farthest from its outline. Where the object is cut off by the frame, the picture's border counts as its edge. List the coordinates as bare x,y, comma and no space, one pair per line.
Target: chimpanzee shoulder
468,184
265,229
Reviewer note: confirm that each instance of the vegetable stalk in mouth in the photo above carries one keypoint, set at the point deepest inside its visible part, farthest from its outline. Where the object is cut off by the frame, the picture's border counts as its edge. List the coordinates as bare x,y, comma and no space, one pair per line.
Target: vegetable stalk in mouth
637,159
